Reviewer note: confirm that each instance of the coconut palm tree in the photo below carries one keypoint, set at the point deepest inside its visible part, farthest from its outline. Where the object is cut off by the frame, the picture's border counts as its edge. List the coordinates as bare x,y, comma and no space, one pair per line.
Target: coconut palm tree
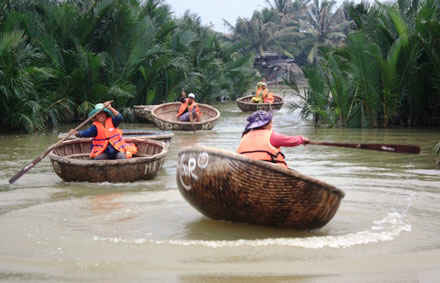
323,27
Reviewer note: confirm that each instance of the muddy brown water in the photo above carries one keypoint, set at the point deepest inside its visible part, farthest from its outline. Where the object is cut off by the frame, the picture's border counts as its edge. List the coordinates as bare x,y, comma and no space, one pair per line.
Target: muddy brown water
386,229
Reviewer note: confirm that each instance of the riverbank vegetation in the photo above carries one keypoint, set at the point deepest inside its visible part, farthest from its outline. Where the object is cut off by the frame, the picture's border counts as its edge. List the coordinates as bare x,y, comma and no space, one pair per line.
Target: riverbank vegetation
367,65
437,153
59,58
386,74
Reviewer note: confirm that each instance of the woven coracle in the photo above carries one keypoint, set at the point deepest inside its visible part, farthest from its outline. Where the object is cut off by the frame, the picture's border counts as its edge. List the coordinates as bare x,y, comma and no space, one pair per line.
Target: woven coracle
162,136
227,186
164,117
71,162
143,113
245,104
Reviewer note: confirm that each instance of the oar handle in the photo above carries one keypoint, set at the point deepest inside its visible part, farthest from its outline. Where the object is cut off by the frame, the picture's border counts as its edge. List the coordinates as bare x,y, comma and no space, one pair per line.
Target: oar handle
50,148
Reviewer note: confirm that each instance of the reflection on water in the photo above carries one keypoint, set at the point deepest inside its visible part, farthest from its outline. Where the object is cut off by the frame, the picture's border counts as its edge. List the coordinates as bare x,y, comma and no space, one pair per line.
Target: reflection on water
118,232
102,204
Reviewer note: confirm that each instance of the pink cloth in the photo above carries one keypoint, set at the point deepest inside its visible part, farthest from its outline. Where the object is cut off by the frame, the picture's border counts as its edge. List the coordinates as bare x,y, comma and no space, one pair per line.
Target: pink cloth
279,140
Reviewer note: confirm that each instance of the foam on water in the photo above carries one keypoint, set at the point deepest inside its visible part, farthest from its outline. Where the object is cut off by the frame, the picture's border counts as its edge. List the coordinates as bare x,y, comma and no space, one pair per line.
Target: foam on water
386,229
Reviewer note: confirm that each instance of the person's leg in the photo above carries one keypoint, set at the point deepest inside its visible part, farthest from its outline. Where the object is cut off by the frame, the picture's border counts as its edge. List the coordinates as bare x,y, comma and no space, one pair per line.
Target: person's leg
184,117
102,156
120,155
195,115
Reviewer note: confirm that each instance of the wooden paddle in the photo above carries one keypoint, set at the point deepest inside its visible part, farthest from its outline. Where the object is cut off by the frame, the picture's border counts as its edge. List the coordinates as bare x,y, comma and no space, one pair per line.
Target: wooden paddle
52,147
397,148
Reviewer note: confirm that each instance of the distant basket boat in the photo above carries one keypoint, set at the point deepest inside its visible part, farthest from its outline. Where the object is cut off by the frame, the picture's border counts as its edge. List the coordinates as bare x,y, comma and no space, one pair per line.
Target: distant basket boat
143,113
71,162
164,117
227,186
245,104
138,133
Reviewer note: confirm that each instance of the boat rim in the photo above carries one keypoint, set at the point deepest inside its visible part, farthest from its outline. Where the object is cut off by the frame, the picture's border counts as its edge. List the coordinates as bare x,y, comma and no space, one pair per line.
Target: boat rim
267,165
99,163
240,100
153,113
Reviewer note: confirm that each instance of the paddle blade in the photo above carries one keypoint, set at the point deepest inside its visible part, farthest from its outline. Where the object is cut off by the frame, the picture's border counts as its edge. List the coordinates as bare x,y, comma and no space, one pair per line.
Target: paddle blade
396,148
24,170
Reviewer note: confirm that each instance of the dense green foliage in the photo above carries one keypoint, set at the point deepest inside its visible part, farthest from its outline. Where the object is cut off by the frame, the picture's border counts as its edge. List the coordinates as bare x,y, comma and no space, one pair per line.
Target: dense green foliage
58,58
296,28
386,74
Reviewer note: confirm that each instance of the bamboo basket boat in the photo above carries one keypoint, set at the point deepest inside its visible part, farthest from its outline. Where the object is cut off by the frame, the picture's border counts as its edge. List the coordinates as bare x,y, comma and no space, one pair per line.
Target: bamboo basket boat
71,162
164,117
245,104
143,113
162,136
227,186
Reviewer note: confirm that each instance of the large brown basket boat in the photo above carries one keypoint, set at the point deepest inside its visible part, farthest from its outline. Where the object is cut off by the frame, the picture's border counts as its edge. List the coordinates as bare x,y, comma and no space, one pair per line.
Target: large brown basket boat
227,186
71,162
245,104
162,136
164,117
143,113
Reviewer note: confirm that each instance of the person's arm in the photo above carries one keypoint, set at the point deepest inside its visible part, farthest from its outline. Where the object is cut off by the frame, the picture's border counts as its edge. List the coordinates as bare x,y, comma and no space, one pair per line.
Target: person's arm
279,140
88,133
117,120
108,105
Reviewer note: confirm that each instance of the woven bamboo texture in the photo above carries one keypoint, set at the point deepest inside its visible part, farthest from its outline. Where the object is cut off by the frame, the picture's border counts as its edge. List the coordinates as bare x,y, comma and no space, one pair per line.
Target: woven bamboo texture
164,117
143,113
245,104
227,186
162,136
71,162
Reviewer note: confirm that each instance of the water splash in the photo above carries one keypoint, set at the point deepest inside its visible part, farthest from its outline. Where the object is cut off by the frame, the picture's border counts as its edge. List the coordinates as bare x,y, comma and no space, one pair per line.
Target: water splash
386,229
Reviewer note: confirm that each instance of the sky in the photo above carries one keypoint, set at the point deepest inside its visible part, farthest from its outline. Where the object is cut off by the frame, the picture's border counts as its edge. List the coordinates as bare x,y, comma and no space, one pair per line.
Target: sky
214,11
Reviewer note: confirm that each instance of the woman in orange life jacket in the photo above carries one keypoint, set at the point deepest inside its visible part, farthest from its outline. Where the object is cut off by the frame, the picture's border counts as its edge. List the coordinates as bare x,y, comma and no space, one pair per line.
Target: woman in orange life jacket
267,95
107,138
258,98
189,110
260,142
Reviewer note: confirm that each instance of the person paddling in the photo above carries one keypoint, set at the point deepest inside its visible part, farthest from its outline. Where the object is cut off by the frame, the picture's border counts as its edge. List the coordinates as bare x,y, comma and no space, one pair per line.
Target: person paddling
260,142
107,138
189,110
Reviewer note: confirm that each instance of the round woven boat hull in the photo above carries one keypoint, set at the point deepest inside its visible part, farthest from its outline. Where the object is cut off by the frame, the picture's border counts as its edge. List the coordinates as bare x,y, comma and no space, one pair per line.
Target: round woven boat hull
245,104
164,137
227,186
143,113
71,163
164,117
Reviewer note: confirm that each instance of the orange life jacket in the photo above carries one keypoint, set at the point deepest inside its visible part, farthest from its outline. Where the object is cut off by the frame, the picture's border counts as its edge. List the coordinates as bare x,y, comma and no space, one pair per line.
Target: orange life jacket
110,134
256,145
259,92
190,108
182,107
268,97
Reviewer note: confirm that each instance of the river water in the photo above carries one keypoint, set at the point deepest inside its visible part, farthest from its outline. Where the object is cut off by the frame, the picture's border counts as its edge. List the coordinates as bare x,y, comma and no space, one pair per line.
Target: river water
386,229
